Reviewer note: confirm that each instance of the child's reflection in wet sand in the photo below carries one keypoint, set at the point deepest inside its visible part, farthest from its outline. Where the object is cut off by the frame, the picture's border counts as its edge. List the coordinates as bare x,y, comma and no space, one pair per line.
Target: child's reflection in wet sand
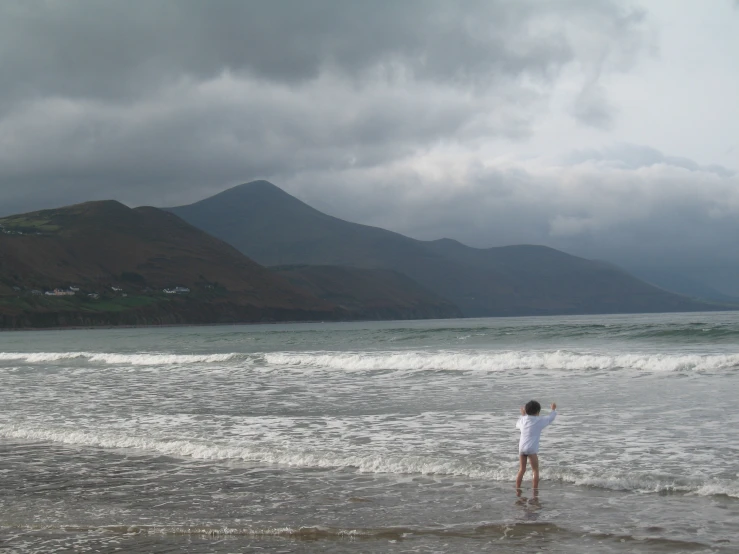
530,506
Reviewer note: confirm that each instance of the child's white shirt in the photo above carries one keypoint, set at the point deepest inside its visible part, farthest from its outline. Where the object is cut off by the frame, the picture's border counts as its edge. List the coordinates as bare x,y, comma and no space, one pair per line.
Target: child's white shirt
531,427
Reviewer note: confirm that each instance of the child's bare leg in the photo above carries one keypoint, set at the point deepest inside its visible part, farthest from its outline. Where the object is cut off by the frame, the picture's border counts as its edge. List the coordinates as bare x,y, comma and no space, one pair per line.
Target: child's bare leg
521,469
535,469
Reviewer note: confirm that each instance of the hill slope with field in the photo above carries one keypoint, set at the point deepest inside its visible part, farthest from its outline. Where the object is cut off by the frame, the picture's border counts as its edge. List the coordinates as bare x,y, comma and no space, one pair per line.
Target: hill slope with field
111,265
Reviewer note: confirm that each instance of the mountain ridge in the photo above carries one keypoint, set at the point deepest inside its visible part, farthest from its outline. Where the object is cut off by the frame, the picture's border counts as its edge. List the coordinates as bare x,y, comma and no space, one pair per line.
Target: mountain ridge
369,293
120,260
103,263
274,228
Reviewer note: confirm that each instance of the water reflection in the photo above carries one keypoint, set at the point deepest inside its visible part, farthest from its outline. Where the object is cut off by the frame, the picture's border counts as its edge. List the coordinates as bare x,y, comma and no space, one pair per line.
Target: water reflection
529,506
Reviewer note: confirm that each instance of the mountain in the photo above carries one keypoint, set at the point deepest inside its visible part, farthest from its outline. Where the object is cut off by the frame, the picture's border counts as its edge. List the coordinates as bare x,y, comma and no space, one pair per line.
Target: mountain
98,246
680,282
274,228
369,293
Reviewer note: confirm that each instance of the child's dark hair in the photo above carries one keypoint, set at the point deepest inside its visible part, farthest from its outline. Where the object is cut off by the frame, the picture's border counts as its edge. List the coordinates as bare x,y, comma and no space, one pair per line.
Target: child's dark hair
532,407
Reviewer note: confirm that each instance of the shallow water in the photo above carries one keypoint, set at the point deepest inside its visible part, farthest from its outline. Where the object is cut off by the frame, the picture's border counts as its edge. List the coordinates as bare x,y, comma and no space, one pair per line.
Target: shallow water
388,436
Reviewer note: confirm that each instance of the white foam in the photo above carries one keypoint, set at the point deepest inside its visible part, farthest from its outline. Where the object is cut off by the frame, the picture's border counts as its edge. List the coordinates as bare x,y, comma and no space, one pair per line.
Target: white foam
621,481
718,488
499,361
146,359
410,361
647,483
305,532
367,462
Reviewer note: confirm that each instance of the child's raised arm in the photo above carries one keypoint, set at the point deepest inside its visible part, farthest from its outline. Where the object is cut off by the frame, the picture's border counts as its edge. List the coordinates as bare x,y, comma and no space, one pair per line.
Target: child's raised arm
549,418
520,419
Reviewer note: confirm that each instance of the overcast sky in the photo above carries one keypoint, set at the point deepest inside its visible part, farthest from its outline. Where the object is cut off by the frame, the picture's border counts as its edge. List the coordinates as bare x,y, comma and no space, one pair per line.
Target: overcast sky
606,128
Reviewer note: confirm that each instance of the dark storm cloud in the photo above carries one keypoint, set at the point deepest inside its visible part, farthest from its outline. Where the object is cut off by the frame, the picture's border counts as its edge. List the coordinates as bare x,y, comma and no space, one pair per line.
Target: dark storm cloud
185,138
166,102
114,49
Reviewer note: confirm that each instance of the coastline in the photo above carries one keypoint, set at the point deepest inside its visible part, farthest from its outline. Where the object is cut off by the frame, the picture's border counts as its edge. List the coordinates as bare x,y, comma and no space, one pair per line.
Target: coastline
347,320
168,325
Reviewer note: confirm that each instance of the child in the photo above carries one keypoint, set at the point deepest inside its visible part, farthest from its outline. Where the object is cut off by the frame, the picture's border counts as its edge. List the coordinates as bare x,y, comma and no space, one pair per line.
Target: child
531,425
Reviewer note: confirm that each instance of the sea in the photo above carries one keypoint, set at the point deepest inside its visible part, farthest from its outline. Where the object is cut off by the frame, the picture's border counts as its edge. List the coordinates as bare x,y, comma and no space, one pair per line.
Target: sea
372,437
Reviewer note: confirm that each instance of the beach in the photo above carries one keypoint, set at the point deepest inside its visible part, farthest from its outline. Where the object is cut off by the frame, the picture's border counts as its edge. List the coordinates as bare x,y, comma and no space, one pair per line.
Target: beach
377,437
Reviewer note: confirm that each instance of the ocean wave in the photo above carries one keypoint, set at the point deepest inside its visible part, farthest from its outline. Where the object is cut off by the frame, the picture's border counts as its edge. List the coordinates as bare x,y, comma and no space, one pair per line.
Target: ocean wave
702,332
366,463
665,332
379,463
538,531
318,532
404,361
644,483
144,358
308,533
500,361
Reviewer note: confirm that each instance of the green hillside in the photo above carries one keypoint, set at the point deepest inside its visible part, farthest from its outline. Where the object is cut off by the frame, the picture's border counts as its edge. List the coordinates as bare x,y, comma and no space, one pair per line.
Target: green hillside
112,264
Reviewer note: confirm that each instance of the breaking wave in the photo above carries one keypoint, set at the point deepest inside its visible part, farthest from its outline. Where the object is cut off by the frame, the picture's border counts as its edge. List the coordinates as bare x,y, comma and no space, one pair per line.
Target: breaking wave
148,359
319,532
368,462
500,361
539,531
405,361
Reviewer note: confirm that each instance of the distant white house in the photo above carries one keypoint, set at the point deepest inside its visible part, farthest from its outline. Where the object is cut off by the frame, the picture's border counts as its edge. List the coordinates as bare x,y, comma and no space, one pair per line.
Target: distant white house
9,232
94,295
74,289
177,290
116,289
59,292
